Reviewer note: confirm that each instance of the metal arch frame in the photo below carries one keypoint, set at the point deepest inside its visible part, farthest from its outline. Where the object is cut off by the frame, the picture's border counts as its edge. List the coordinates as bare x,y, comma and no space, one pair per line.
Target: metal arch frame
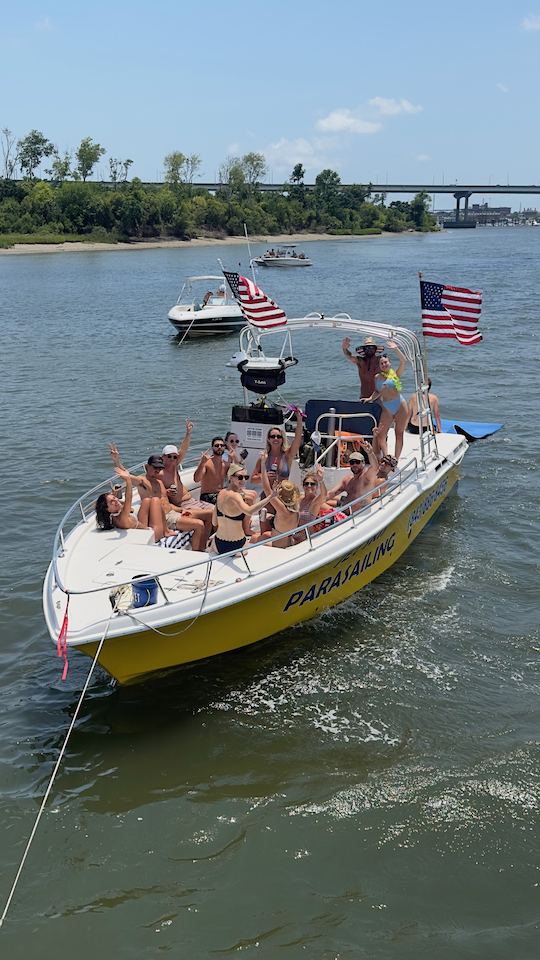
406,340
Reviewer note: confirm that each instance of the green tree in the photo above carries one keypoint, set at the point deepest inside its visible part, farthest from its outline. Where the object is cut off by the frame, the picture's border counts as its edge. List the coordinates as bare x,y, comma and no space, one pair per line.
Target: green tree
298,174
60,168
327,197
174,167
87,155
420,214
32,149
10,156
119,170
254,168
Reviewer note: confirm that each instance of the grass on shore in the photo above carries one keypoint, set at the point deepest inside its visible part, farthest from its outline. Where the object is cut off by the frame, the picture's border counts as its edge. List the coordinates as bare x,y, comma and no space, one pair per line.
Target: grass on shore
10,239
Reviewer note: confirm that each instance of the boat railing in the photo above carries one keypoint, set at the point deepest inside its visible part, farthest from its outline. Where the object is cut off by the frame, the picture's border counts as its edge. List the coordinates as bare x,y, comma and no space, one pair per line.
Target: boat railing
358,511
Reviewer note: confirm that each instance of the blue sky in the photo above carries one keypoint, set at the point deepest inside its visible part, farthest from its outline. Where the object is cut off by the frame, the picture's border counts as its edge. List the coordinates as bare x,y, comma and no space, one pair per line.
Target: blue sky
410,92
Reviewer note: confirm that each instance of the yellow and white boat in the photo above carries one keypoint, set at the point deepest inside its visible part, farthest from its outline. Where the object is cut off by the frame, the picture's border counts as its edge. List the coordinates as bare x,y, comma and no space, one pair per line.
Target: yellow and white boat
206,604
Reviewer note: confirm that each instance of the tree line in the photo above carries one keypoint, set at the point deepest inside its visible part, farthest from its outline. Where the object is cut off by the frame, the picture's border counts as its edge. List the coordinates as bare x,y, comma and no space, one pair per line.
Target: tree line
46,193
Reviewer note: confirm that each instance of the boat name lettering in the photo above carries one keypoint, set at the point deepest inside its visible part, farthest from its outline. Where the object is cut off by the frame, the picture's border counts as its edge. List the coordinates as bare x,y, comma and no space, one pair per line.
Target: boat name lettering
316,590
426,505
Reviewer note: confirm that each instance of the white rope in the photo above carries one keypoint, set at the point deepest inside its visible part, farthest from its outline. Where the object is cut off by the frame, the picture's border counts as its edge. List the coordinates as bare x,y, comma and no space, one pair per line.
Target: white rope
190,624
53,775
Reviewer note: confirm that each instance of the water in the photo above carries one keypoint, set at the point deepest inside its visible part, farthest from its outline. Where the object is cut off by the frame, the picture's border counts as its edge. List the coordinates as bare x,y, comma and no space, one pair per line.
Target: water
363,786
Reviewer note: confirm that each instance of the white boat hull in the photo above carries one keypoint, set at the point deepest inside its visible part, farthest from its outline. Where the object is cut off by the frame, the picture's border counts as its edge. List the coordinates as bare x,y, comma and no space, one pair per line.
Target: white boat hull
210,322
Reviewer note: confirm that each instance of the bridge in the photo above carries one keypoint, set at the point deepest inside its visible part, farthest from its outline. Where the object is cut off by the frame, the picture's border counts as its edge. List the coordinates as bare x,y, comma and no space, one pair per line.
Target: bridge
460,191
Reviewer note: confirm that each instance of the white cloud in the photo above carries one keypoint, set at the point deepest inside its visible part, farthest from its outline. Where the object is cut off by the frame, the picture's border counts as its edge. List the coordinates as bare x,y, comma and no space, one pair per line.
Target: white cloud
423,157
503,88
532,22
312,154
390,107
344,120
43,25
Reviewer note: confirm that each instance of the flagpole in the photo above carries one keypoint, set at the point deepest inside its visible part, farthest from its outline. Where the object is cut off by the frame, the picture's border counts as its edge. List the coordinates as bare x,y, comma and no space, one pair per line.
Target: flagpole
252,268
424,348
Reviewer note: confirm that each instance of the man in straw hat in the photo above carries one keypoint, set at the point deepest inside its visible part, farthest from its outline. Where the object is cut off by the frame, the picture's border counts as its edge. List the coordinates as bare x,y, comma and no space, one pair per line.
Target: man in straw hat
366,361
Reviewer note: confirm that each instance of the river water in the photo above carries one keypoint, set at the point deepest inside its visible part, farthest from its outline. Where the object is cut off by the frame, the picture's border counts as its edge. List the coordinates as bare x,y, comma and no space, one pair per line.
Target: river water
363,786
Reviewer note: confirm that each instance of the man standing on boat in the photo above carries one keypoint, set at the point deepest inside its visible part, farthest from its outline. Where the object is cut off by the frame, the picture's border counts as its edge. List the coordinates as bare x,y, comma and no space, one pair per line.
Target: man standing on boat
366,362
211,471
363,478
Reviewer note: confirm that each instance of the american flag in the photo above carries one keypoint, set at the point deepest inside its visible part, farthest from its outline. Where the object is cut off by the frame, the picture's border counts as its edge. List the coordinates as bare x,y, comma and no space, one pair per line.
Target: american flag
450,312
257,308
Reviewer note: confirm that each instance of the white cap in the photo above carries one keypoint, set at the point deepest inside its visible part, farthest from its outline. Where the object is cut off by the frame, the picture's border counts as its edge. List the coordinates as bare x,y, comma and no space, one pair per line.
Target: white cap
170,448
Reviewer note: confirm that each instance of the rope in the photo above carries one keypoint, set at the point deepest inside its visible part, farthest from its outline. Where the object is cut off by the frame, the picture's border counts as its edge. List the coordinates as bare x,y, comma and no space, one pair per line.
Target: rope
191,623
53,775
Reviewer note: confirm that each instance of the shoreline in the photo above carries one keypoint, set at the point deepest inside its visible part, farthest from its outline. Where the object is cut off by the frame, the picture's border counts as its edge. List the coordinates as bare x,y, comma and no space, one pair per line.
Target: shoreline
92,246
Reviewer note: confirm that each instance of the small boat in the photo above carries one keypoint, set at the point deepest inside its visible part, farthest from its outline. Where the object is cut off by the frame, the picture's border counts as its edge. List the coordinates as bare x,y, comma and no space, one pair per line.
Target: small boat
183,605
284,256
205,308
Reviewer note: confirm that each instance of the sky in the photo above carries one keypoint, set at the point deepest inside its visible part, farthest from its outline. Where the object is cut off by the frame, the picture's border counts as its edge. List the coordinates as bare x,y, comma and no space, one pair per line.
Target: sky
417,92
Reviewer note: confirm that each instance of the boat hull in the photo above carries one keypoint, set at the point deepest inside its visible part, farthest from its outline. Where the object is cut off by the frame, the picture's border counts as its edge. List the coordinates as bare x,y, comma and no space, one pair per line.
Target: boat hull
133,657
282,262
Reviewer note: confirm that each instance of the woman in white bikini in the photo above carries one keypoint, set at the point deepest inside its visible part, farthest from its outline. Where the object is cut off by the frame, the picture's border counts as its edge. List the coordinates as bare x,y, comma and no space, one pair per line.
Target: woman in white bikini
112,513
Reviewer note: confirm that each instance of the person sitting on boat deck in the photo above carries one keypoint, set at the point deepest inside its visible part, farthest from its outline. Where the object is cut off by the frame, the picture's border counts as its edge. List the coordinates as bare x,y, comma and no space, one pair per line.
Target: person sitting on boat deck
206,298
113,513
366,362
387,465
286,514
314,495
414,424
211,471
151,485
362,479
395,409
232,513
279,456
177,494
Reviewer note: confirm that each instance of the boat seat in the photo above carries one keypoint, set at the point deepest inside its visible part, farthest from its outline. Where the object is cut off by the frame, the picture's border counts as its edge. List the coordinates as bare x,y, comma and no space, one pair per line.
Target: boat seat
361,423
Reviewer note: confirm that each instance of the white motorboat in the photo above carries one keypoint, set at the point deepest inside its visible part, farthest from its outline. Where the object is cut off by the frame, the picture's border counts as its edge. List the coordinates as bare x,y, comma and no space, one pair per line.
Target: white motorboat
283,256
199,604
205,308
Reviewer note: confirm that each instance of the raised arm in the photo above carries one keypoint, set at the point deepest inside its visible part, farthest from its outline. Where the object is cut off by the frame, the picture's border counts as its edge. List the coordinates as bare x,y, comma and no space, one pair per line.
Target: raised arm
402,360
292,452
257,470
184,446
346,347
320,499
372,457
434,402
199,472
128,498
115,456
264,475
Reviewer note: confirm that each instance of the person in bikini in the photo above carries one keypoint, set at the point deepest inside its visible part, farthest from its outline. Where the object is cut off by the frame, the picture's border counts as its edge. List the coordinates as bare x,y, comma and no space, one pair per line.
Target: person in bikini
287,508
414,423
113,513
278,456
212,471
232,513
363,478
395,409
151,485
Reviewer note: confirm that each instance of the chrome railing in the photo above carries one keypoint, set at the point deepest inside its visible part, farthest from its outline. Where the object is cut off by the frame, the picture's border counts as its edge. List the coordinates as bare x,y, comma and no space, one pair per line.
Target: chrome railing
362,509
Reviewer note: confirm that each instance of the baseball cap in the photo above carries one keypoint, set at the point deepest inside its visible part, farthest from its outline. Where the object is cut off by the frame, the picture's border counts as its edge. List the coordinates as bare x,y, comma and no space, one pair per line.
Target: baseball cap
155,461
235,468
357,458
170,448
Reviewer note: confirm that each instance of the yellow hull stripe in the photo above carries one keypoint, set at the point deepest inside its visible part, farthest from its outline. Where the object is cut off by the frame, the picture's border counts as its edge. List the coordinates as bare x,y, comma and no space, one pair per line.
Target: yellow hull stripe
131,657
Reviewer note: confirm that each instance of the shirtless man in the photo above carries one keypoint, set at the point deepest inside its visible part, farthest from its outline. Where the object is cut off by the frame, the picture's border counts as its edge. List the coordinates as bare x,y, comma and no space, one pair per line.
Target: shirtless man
151,485
366,362
363,478
414,422
211,471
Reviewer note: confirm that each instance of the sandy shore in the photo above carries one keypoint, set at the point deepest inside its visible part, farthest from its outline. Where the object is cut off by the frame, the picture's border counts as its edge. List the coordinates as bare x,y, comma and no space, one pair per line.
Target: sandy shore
78,247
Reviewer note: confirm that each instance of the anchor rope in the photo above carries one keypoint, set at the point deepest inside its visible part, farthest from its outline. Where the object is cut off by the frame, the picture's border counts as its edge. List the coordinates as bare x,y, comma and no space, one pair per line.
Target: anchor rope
190,624
54,773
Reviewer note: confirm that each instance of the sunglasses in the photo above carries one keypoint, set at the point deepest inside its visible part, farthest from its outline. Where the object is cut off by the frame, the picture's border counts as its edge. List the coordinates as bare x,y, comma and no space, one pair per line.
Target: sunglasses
309,483
218,446
275,436
240,476
234,441
171,456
